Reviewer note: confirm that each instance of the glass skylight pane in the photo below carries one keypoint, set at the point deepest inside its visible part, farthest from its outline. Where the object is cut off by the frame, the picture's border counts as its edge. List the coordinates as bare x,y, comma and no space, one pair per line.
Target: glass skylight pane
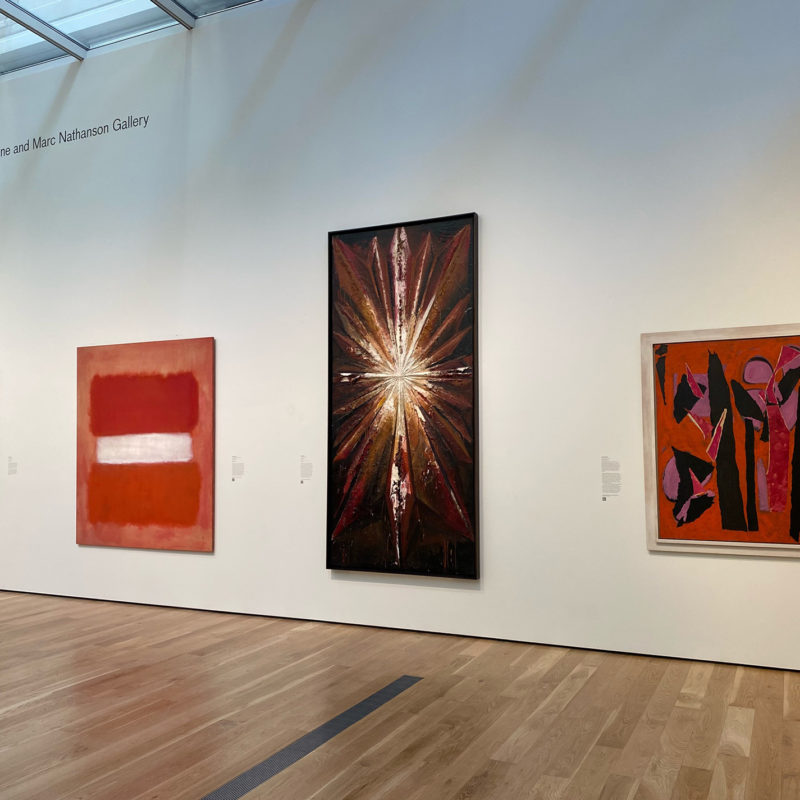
202,7
21,48
95,22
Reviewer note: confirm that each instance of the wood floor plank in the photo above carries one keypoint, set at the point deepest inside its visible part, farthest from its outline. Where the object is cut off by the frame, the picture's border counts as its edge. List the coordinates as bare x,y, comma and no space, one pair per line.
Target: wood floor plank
737,731
791,696
764,772
644,740
705,742
535,672
613,677
559,750
486,782
790,759
553,692
692,784
694,689
589,779
662,773
728,778
619,787
584,732
548,787
642,689
746,685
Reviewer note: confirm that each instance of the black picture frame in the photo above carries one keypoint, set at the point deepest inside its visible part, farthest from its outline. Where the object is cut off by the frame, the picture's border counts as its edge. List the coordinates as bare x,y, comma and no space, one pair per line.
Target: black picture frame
402,493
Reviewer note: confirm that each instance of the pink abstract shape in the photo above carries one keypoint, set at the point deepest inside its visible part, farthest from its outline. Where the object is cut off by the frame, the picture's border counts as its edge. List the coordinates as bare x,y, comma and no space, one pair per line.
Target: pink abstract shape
697,485
713,447
788,359
693,385
756,370
778,469
703,483
671,480
703,424
761,478
702,408
772,394
760,399
789,411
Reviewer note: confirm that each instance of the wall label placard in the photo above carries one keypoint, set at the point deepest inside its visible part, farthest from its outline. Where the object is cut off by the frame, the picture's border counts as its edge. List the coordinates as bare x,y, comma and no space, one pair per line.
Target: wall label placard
76,134
237,467
611,477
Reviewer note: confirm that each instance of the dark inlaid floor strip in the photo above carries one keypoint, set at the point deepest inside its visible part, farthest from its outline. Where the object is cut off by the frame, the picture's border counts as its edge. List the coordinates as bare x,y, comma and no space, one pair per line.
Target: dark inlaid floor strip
255,776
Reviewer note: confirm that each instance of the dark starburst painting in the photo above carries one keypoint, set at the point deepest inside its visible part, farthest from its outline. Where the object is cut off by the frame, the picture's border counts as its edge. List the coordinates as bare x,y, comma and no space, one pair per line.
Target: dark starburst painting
401,420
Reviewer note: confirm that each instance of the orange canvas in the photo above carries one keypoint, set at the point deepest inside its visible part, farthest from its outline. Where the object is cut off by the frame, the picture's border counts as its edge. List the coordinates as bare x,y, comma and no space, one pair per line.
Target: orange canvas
145,471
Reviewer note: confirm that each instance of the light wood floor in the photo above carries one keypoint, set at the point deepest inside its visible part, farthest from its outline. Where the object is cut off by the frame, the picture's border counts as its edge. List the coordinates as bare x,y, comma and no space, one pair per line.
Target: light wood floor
120,702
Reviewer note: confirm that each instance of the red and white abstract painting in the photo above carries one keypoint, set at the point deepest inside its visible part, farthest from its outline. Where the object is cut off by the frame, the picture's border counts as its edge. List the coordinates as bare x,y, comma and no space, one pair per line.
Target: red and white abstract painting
145,470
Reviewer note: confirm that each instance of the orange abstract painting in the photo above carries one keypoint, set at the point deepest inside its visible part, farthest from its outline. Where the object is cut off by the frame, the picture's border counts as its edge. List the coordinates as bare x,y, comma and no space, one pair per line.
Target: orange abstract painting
727,450
145,471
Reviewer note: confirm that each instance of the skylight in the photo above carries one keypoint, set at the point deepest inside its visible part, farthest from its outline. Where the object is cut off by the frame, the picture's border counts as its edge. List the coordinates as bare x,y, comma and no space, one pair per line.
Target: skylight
36,31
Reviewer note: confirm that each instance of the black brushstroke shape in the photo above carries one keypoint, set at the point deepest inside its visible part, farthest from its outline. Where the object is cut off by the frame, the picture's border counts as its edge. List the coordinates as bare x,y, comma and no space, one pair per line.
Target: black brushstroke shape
686,463
685,399
697,506
745,404
750,411
765,429
661,369
661,372
750,473
731,505
787,383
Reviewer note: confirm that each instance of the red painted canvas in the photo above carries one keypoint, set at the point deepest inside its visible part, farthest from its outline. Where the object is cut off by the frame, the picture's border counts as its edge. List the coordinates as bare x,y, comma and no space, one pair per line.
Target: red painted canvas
145,473
727,455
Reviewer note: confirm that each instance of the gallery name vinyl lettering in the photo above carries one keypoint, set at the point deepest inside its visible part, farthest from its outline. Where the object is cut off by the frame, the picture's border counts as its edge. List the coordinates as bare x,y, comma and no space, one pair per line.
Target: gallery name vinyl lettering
65,136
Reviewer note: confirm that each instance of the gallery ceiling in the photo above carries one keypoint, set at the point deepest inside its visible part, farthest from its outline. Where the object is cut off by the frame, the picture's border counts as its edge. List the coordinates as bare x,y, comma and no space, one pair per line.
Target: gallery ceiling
35,31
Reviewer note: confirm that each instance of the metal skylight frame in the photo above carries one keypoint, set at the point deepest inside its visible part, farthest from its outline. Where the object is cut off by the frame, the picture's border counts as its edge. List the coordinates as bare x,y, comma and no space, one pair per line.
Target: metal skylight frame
177,12
65,37
42,29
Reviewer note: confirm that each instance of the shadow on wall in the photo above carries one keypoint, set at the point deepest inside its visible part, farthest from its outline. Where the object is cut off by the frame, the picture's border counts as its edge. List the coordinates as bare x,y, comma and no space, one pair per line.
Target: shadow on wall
396,20
28,167
262,84
552,37
544,49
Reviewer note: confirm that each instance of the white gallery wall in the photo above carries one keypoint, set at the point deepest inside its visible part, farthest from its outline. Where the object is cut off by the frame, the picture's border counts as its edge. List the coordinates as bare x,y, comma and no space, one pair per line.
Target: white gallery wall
635,167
